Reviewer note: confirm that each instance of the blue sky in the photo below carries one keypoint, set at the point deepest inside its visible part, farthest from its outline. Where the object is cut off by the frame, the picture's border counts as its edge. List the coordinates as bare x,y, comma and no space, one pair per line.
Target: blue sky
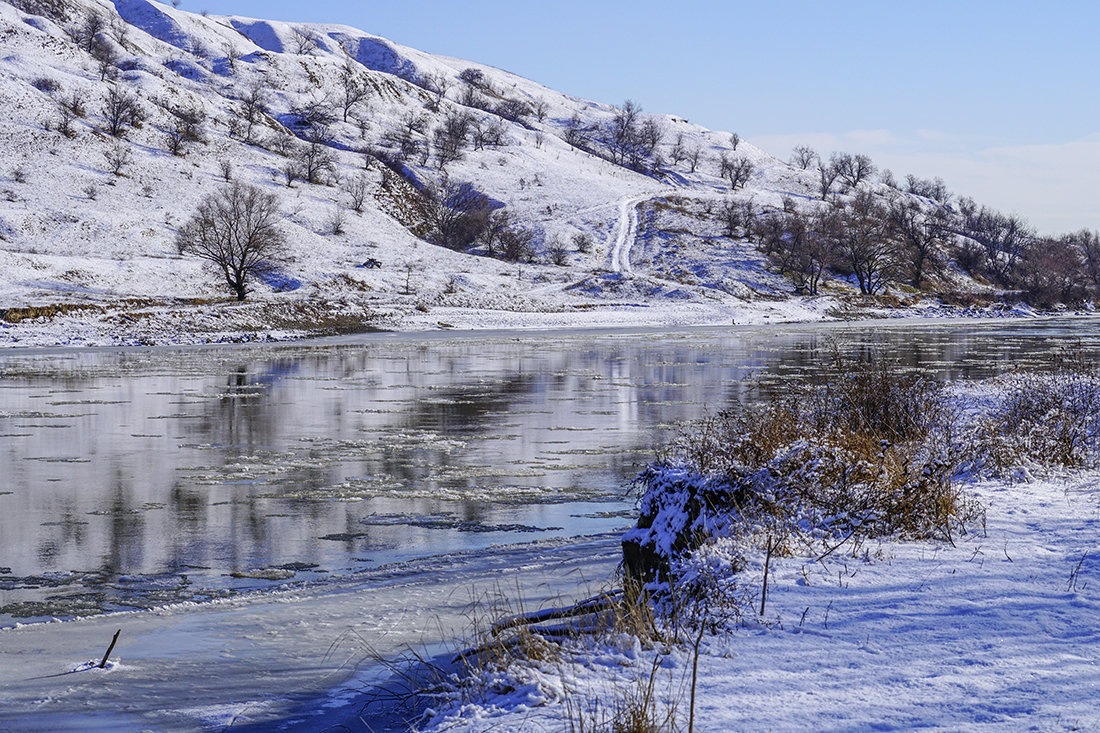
998,98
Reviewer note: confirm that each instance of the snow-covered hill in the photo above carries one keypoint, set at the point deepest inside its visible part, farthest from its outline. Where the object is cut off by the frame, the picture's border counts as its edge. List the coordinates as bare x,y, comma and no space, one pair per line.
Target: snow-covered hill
88,219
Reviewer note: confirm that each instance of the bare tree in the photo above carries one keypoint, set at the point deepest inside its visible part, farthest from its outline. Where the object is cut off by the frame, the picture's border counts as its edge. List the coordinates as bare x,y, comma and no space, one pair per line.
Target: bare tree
853,169
354,88
356,189
437,83
316,158
118,156
735,140
237,230
1088,244
254,107
922,237
226,169
121,110
513,110
540,108
934,188
802,246
105,57
335,220
574,130
306,41
87,32
450,138
693,156
678,153
826,176
516,244
473,77
232,55
458,214
737,170
1001,239
803,156
863,247
583,242
737,217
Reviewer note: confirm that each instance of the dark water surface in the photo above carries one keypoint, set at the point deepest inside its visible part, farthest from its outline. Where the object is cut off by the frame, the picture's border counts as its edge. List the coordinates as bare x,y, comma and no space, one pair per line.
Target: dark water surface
134,478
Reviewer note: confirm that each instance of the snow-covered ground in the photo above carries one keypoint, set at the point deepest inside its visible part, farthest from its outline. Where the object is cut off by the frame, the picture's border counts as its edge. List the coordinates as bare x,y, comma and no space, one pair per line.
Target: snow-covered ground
999,632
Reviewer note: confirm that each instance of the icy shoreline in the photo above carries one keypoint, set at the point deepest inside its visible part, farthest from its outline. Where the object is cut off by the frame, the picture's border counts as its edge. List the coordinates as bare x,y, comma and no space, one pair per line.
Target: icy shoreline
300,654
254,322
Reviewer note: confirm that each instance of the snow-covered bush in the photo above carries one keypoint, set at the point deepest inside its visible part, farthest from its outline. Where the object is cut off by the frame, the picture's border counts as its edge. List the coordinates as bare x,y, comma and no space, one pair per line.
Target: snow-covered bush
871,452
1042,420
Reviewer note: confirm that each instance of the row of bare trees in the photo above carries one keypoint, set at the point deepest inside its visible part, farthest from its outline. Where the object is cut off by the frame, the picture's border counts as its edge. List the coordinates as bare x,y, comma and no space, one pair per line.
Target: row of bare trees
900,238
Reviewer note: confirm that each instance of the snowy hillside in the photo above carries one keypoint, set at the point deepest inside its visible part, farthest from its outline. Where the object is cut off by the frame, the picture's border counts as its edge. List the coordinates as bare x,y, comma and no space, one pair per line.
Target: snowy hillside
124,116
88,219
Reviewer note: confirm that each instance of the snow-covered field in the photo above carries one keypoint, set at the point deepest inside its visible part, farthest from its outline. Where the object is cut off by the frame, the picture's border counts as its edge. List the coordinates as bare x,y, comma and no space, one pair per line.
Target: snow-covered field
1000,631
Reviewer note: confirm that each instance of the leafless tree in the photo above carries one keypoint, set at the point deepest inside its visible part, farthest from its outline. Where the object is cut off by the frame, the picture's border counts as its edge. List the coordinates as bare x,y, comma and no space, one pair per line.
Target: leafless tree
356,189
737,217
922,236
864,247
803,156
583,242
226,169
458,214
450,138
316,159
516,244
105,57
735,140
827,174
254,107
118,156
853,169
175,141
473,77
693,157
237,230
306,41
336,220
540,108
121,110
86,33
574,129
1001,238
513,110
437,83
934,188
737,170
802,246
558,254
678,153
232,55
1051,271
488,133
1087,243
354,88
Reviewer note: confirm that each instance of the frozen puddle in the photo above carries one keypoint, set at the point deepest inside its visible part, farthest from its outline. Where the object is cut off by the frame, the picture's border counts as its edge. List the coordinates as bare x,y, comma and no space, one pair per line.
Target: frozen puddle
287,659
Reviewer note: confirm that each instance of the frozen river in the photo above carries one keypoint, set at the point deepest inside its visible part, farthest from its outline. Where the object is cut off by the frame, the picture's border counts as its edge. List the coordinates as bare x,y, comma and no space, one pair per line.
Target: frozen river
283,506
132,479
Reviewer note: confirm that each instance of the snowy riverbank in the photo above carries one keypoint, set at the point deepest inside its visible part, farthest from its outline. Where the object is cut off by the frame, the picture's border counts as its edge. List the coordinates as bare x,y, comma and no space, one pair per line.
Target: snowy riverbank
996,632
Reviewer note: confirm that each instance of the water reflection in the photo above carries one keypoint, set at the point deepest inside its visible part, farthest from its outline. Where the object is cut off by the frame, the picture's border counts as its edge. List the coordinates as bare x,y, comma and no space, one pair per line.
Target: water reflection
135,478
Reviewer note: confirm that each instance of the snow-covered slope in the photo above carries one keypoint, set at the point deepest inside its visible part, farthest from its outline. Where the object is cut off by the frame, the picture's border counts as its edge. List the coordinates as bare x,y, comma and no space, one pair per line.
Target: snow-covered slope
88,219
